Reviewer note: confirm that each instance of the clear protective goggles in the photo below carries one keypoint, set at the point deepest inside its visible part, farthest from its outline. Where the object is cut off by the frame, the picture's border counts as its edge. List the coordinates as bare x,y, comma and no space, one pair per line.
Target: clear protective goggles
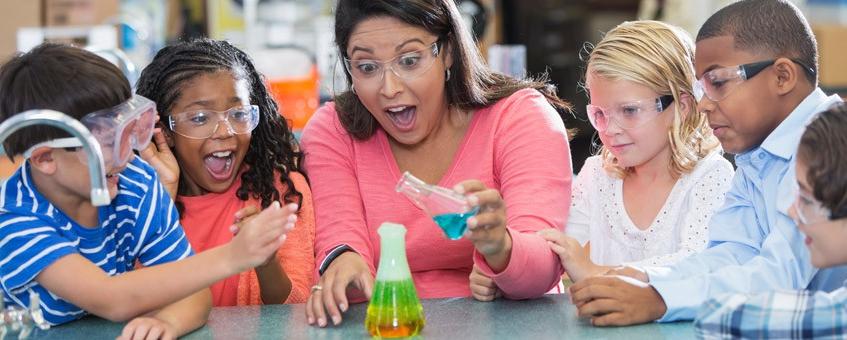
808,209
202,124
118,129
717,84
629,115
406,66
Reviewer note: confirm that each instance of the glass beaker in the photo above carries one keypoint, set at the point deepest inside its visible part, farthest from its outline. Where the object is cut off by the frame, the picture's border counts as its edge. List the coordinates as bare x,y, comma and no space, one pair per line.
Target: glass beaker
449,209
394,310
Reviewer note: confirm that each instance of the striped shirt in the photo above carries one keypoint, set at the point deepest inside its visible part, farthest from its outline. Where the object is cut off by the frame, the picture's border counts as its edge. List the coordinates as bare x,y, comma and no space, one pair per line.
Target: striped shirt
800,314
140,225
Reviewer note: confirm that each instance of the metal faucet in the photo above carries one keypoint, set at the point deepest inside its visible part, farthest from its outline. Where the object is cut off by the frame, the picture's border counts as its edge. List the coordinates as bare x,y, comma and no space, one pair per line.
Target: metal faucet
99,189
121,60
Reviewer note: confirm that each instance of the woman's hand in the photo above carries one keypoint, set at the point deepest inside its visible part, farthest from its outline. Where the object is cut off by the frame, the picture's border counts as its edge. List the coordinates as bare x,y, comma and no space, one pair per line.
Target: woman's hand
487,230
158,154
329,296
483,287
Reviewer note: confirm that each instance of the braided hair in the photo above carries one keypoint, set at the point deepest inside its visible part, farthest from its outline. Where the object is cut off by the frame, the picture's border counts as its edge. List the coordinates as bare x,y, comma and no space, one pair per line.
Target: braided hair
272,146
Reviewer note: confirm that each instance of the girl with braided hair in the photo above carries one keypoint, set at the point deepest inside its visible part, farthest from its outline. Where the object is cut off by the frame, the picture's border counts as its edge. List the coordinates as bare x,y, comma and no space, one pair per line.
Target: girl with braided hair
224,152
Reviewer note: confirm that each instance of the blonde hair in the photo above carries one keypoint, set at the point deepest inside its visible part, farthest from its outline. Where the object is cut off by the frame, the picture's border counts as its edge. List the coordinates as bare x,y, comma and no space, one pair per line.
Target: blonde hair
659,56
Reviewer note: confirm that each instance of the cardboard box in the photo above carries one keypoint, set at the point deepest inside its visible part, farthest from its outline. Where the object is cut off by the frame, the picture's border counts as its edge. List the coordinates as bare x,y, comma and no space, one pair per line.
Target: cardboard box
18,14
832,50
79,12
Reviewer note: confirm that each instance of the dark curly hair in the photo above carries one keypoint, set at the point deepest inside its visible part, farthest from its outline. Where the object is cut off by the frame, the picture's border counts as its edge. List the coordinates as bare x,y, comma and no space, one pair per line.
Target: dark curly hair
823,148
272,146
472,84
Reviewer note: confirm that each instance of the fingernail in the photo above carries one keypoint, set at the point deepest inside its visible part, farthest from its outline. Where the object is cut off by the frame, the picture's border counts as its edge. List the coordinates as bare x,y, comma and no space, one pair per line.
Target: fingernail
459,188
342,307
472,222
321,322
293,206
233,228
275,204
473,200
336,320
310,320
292,218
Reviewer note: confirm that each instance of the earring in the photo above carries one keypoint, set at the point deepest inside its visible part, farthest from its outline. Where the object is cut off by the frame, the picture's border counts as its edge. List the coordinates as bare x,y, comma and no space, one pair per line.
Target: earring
448,76
353,89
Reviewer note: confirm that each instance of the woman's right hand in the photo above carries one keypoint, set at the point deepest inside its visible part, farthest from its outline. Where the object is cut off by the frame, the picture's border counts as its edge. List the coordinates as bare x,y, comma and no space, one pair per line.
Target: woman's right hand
329,296
260,236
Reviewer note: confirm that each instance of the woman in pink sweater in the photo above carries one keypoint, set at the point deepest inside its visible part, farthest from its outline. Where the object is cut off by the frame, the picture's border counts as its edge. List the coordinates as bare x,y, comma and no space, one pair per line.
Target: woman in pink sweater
422,100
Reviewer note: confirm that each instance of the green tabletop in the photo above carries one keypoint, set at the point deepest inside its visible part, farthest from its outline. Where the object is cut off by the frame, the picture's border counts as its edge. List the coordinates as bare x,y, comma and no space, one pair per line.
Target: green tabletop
548,317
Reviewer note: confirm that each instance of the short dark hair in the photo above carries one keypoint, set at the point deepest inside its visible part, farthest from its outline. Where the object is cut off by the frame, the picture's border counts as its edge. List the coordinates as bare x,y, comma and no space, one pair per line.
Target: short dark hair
58,77
771,26
823,148
472,84
272,145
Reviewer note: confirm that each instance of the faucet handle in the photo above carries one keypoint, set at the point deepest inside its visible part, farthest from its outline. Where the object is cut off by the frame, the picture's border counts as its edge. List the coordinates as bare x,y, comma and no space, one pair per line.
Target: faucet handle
35,312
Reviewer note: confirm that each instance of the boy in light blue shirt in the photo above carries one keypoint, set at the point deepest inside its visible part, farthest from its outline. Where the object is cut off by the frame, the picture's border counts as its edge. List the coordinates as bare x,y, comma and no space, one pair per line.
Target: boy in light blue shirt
820,210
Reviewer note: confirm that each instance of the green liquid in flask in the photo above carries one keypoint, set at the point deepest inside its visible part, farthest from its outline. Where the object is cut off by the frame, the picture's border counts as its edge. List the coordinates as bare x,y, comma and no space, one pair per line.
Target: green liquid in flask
394,310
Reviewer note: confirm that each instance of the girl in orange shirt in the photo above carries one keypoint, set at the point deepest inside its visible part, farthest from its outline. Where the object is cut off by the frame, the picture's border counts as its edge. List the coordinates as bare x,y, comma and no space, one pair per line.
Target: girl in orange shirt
224,151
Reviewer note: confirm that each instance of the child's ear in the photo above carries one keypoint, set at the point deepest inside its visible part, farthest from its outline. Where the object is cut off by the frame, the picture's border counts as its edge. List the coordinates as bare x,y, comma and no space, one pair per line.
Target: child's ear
787,75
42,160
686,102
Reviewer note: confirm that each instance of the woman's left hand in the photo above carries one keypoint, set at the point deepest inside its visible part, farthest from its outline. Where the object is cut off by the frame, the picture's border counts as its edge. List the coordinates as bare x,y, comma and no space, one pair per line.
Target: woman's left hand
487,230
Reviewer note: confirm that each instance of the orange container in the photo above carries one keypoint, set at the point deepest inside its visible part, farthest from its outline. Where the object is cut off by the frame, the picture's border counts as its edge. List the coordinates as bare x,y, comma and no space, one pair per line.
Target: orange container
297,97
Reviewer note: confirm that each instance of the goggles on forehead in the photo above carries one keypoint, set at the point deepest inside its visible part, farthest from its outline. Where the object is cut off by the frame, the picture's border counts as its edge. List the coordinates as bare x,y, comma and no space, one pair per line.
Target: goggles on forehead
118,129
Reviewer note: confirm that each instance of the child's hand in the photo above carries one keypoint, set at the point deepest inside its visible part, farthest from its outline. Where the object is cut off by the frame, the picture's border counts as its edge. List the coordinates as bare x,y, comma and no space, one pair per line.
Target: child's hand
483,287
575,260
148,328
241,216
160,157
487,230
260,237
247,213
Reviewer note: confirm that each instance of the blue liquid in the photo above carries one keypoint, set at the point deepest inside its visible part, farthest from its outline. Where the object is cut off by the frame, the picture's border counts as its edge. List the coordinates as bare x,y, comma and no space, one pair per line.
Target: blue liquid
454,225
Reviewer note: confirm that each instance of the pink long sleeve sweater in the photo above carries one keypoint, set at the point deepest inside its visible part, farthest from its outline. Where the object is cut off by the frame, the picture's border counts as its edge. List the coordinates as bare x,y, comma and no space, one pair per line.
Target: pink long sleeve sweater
518,145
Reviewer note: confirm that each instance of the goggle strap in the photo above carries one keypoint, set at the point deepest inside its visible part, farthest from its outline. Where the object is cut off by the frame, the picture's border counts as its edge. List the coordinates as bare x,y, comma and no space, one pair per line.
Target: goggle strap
61,143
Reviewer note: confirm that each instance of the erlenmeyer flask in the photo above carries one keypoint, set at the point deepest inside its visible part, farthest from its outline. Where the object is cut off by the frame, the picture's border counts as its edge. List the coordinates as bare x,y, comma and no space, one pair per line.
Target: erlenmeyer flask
449,209
394,310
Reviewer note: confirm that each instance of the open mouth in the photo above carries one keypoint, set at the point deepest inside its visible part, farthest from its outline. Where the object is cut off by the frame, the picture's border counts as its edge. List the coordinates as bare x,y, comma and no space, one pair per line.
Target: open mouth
219,164
403,117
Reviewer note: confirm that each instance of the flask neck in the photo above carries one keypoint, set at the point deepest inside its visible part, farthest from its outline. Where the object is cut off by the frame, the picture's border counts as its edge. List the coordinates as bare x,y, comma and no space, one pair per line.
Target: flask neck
392,258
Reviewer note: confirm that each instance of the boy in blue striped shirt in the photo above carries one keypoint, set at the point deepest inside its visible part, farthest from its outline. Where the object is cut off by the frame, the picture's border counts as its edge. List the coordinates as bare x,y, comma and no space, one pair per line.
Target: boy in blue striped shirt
81,258
820,211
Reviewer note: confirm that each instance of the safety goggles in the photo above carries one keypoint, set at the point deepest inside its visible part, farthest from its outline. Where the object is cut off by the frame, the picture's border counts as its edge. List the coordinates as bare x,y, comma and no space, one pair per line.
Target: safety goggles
202,124
405,66
808,209
118,129
628,115
717,84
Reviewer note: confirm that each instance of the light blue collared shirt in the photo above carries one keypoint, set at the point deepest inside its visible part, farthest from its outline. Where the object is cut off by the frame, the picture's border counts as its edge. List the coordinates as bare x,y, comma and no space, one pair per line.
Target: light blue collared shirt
754,245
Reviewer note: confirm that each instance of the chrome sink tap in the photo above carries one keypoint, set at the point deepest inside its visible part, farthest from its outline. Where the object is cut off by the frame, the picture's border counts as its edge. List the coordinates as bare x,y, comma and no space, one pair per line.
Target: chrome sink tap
99,190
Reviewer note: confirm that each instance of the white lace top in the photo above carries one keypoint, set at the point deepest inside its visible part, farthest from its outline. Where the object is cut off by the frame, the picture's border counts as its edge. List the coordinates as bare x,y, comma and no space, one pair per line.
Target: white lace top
679,229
